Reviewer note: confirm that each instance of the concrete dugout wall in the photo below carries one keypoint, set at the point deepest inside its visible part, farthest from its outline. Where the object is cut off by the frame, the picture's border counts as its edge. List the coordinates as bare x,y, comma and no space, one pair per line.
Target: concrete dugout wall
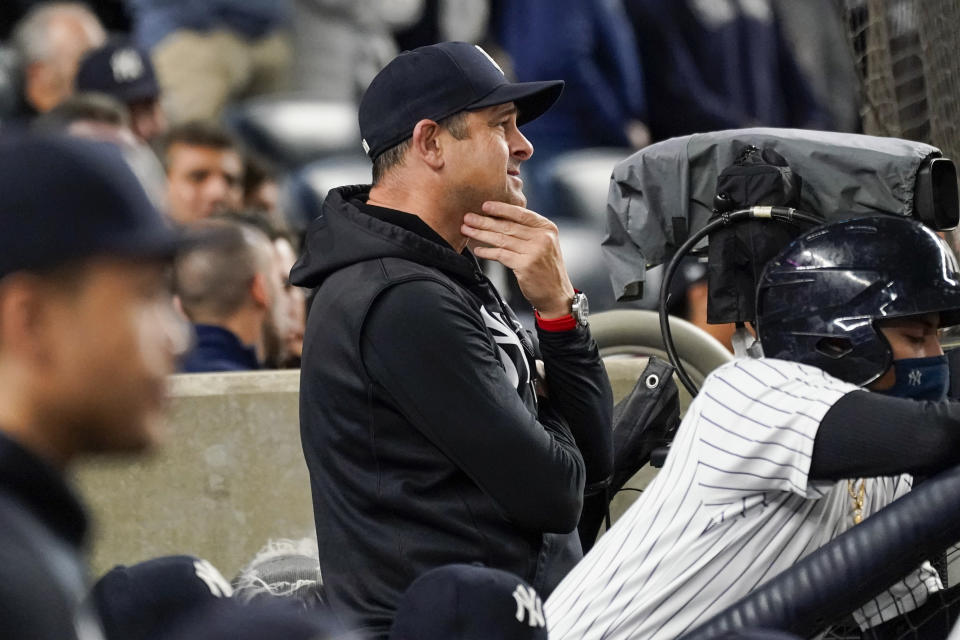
229,476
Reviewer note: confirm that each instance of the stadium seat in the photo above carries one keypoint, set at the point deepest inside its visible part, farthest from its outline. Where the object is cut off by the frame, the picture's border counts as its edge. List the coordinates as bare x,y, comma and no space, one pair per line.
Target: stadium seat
627,338
581,180
291,130
305,188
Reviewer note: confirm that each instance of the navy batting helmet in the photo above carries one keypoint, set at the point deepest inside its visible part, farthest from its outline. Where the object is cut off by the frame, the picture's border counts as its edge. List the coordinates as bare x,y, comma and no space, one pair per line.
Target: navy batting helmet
818,300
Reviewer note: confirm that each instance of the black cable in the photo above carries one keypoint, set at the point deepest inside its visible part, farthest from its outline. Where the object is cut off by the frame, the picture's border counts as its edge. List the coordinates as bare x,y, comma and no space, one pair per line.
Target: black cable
783,214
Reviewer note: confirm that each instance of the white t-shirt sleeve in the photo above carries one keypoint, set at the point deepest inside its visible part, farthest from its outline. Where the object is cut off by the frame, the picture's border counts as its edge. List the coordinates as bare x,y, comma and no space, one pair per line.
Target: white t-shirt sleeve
756,426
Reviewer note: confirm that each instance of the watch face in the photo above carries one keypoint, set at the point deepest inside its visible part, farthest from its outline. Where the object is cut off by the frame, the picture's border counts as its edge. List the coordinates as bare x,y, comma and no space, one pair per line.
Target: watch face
581,309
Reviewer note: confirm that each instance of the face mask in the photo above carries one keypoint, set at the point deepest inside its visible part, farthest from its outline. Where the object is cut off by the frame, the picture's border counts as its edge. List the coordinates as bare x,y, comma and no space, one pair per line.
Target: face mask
920,378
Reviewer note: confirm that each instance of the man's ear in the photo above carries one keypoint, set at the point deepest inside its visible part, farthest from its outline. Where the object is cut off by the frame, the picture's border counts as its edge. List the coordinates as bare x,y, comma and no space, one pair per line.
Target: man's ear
426,143
24,313
37,80
258,290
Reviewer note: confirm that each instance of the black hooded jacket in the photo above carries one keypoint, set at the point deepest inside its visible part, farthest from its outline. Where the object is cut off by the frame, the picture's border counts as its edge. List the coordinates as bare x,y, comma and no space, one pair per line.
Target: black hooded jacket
424,437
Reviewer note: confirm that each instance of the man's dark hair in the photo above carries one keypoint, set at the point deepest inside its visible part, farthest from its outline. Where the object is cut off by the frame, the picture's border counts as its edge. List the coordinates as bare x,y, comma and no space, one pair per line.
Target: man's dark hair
393,157
260,220
196,133
255,173
84,107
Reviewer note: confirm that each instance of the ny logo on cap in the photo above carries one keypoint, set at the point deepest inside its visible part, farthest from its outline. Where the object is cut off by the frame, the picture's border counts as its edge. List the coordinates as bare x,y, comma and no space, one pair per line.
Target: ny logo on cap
492,61
126,65
529,606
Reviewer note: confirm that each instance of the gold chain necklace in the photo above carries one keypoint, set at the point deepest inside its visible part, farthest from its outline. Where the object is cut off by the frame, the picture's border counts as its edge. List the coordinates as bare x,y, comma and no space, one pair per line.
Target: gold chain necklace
858,498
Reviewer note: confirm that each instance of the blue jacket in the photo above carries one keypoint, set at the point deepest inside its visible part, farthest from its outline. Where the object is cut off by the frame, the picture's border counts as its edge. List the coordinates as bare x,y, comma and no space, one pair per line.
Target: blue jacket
719,67
589,45
154,19
218,350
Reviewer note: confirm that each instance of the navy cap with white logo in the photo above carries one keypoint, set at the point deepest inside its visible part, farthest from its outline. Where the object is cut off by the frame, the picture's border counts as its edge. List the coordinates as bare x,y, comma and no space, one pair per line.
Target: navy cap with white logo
469,602
119,69
66,199
144,599
437,81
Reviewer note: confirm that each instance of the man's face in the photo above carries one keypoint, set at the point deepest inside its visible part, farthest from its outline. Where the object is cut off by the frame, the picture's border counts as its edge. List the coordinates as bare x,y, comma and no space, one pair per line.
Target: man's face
295,302
110,344
284,326
912,337
202,181
69,36
486,164
147,119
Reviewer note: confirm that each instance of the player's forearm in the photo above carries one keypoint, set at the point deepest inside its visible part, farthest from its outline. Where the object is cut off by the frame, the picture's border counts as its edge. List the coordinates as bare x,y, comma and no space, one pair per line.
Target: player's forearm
580,392
868,435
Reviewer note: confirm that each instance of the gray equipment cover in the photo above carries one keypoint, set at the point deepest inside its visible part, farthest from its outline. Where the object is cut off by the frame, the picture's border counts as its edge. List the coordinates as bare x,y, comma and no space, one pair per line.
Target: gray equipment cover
663,193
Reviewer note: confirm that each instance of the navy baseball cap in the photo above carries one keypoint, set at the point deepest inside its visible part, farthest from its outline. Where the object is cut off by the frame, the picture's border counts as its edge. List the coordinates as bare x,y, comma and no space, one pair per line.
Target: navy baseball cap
469,602
437,81
120,69
140,601
275,620
66,199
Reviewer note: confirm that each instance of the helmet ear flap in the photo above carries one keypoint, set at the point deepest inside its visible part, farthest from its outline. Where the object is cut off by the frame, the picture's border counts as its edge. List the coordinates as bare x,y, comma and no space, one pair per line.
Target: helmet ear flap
834,347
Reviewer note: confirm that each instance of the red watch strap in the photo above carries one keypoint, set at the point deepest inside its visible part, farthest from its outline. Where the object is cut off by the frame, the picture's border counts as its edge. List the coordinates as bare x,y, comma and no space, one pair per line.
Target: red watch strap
563,323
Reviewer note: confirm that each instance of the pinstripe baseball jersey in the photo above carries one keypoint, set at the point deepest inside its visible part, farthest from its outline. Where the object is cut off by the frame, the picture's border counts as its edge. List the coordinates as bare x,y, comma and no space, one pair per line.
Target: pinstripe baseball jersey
732,507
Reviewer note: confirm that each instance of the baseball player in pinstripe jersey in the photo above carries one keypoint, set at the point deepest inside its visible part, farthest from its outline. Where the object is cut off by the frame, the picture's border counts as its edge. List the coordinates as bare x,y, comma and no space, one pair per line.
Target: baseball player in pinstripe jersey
778,455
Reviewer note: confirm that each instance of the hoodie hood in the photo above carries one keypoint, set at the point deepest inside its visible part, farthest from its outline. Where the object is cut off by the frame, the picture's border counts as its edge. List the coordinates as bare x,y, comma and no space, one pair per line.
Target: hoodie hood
342,235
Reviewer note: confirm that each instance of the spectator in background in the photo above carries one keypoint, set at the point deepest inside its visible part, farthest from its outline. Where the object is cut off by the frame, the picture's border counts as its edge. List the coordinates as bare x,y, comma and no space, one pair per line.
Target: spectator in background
99,117
209,53
260,189
122,71
228,290
291,346
817,33
50,40
283,331
721,64
88,335
444,20
340,45
204,171
603,102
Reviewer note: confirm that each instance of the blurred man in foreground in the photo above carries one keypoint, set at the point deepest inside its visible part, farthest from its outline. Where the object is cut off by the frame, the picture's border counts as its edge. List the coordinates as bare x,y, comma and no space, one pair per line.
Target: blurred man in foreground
87,336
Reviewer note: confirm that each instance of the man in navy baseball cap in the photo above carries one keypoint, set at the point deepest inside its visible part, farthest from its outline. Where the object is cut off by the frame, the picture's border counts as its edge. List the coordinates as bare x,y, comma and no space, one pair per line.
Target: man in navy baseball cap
88,335
469,602
124,71
431,363
438,81
142,601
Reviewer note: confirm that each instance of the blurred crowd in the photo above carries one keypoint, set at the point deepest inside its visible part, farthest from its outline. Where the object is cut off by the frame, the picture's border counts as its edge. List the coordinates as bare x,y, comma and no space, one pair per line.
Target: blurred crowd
157,76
